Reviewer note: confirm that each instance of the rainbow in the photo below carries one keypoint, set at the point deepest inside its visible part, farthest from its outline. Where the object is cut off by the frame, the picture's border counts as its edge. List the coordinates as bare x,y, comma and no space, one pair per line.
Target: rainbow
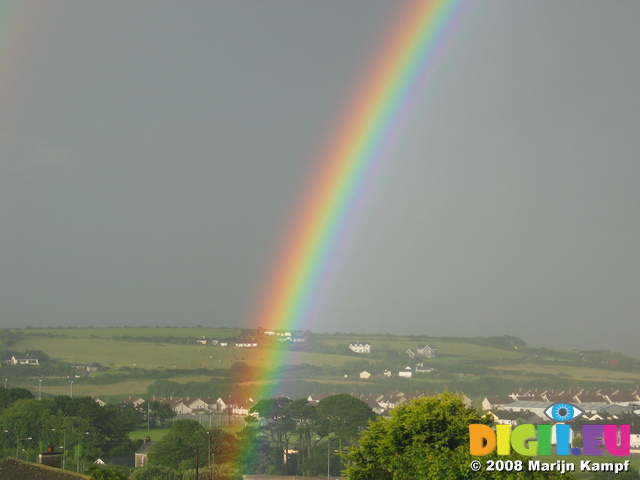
399,70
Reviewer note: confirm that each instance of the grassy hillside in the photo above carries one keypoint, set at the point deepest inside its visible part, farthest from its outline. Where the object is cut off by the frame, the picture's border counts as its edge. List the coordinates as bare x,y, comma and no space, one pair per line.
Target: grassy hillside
140,357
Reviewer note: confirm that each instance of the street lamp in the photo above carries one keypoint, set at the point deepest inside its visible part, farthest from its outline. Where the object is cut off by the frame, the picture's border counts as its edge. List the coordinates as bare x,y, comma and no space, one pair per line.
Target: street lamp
64,444
40,389
18,444
328,452
211,474
70,388
78,461
5,383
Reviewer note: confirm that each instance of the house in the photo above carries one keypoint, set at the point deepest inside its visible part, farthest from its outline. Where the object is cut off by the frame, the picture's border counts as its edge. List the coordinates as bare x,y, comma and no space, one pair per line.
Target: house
202,405
420,368
407,372
635,438
410,353
87,368
142,454
314,398
21,361
360,347
428,351
181,406
242,410
505,417
202,341
128,461
234,405
136,401
246,344
491,403
365,374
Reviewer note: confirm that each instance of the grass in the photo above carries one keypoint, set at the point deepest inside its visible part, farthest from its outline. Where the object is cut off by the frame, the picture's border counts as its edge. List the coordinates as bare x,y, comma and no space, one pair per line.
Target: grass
88,345
156,434
177,332
149,355
574,372
130,387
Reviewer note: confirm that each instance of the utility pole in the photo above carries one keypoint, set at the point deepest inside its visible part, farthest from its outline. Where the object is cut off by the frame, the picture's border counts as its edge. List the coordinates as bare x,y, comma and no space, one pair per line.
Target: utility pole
197,461
328,451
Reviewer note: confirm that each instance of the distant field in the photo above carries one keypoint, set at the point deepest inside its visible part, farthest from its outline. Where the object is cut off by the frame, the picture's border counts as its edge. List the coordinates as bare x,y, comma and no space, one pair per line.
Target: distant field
149,355
574,372
193,332
445,349
164,349
127,387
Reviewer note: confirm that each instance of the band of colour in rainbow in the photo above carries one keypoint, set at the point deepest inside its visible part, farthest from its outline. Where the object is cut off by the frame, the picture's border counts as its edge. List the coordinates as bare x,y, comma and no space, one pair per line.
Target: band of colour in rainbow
364,132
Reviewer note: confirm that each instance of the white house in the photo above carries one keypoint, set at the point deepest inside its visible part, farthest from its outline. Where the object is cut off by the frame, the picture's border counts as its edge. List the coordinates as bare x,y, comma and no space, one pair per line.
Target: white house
360,347
428,351
406,373
420,368
21,361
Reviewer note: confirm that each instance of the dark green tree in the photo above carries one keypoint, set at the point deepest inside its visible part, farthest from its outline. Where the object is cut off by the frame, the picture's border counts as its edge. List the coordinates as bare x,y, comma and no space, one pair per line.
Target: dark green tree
160,414
178,447
255,453
155,472
343,415
106,472
304,417
223,445
278,427
8,396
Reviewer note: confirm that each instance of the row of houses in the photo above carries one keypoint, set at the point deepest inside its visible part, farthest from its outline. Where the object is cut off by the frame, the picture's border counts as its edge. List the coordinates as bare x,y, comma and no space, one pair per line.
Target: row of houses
240,407
406,372
426,351
597,406
381,403
598,396
234,406
247,343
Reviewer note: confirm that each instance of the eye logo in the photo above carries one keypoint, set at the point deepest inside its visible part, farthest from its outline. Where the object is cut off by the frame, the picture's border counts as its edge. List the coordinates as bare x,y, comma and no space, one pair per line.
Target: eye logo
563,412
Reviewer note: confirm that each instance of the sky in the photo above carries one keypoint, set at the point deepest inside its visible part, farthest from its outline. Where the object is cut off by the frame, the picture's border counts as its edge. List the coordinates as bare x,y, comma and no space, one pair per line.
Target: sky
154,153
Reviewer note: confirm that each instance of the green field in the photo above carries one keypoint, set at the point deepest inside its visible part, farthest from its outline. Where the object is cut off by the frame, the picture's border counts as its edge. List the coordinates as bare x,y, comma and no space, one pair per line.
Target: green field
150,355
475,367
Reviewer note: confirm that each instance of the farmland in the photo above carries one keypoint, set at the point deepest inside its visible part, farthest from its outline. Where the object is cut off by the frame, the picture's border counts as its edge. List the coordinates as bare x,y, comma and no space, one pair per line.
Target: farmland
138,358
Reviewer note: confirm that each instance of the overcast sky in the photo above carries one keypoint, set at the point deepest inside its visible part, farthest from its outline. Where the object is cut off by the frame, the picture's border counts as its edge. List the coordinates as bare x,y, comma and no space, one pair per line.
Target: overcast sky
153,153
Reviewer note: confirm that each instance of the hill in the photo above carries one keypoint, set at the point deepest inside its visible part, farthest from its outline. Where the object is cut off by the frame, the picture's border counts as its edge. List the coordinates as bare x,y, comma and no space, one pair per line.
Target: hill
159,360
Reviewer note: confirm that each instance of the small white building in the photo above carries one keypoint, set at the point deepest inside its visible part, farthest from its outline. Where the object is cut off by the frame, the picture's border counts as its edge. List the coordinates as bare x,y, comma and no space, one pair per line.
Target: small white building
21,361
360,347
406,373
